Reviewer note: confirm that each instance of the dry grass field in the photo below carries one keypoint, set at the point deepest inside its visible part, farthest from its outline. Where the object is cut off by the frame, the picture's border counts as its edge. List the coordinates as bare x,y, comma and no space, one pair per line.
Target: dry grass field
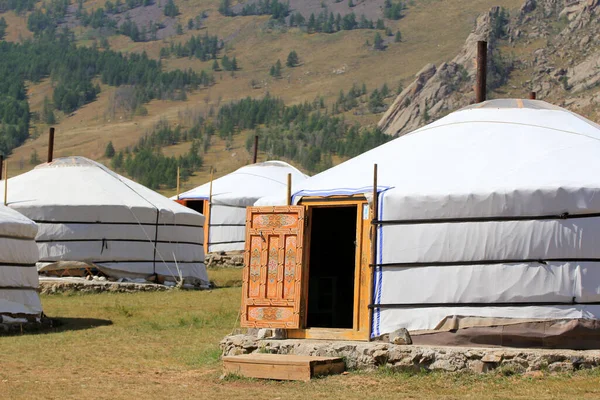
166,345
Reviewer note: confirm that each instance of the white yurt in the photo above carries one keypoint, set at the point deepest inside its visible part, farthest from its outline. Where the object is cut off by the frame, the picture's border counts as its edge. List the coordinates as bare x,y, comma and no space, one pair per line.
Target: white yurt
19,300
488,218
231,194
87,213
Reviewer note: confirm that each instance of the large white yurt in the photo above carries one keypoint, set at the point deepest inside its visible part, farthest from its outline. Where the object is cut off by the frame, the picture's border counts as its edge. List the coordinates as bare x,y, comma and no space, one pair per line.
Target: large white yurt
488,222
19,300
89,214
231,194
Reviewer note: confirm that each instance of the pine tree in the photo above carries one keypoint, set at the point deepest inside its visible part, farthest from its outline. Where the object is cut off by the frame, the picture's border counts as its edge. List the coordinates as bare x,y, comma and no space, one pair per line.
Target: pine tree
292,59
350,3
109,152
48,112
225,8
190,24
378,42
398,37
385,91
278,69
226,63
234,65
215,66
171,9
3,26
311,23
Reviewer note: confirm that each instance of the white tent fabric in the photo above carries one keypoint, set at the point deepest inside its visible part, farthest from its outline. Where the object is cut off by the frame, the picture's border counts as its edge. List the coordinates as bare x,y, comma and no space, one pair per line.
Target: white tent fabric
234,192
88,213
18,275
491,211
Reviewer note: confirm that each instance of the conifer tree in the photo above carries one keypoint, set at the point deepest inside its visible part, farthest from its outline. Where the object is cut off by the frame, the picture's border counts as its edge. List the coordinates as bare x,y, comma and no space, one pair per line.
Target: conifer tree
3,26
109,152
378,42
292,59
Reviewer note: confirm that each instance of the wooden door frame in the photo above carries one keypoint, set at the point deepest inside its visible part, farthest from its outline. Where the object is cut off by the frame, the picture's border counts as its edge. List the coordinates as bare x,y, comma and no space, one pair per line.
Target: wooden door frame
206,212
361,325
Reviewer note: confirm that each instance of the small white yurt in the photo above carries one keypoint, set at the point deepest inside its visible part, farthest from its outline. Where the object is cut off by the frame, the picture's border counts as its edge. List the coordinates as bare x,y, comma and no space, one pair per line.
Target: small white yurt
231,194
19,300
488,226
89,216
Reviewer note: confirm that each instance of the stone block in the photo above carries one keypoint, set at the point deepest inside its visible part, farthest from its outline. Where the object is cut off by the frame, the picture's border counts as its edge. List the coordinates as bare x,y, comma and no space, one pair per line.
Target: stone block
491,358
264,333
480,367
560,367
400,336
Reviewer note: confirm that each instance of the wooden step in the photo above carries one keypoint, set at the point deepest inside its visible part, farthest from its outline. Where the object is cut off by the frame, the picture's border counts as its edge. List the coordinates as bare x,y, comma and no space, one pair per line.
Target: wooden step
282,366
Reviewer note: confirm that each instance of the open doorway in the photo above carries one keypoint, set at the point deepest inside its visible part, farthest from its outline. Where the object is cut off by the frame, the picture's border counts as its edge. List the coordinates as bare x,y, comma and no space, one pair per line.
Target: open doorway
196,205
332,267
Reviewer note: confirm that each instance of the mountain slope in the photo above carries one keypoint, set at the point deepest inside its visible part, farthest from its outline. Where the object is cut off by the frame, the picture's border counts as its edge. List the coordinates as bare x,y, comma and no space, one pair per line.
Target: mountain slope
433,31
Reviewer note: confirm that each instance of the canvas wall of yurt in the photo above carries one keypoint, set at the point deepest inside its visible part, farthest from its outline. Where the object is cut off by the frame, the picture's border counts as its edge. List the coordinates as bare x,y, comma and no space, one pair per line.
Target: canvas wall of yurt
91,218
224,200
19,299
485,230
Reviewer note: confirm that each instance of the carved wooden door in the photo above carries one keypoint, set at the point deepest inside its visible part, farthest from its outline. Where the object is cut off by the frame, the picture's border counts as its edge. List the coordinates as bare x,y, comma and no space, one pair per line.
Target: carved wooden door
272,278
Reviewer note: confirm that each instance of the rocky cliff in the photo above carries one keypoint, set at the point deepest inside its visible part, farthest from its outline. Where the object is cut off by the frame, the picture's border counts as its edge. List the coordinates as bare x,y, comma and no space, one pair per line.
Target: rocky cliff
558,47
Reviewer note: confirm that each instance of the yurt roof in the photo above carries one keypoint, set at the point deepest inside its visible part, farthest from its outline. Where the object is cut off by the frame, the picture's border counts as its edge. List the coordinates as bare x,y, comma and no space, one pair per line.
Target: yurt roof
247,184
16,225
501,157
77,188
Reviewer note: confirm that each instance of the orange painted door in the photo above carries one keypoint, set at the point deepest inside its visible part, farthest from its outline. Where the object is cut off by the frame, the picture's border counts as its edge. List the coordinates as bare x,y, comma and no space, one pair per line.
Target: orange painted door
272,278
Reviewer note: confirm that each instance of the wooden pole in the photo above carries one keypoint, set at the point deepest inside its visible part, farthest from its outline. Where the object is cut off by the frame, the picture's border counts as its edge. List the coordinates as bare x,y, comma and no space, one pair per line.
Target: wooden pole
210,193
178,183
211,183
51,145
255,158
6,182
532,95
289,190
375,211
480,89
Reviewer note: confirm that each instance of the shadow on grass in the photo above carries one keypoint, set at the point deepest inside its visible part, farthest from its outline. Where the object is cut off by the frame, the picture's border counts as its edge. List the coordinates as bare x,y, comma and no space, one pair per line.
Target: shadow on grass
65,324
54,325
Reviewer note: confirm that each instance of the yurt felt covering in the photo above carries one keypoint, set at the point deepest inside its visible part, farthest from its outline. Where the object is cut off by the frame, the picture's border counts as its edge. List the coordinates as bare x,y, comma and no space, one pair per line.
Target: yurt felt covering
232,193
490,212
90,214
18,273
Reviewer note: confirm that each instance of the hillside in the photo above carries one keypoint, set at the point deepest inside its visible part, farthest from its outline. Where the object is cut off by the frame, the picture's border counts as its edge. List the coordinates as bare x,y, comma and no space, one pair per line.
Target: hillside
432,32
548,47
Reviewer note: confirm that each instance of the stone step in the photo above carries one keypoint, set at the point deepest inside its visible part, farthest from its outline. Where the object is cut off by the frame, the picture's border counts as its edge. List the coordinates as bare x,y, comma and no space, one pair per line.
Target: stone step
282,366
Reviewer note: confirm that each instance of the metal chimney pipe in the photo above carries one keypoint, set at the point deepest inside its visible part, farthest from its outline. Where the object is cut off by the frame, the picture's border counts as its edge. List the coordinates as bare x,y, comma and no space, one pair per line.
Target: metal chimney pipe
480,89
51,145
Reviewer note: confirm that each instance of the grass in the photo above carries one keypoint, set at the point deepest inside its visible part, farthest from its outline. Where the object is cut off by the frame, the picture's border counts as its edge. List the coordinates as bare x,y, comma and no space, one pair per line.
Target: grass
225,277
166,345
